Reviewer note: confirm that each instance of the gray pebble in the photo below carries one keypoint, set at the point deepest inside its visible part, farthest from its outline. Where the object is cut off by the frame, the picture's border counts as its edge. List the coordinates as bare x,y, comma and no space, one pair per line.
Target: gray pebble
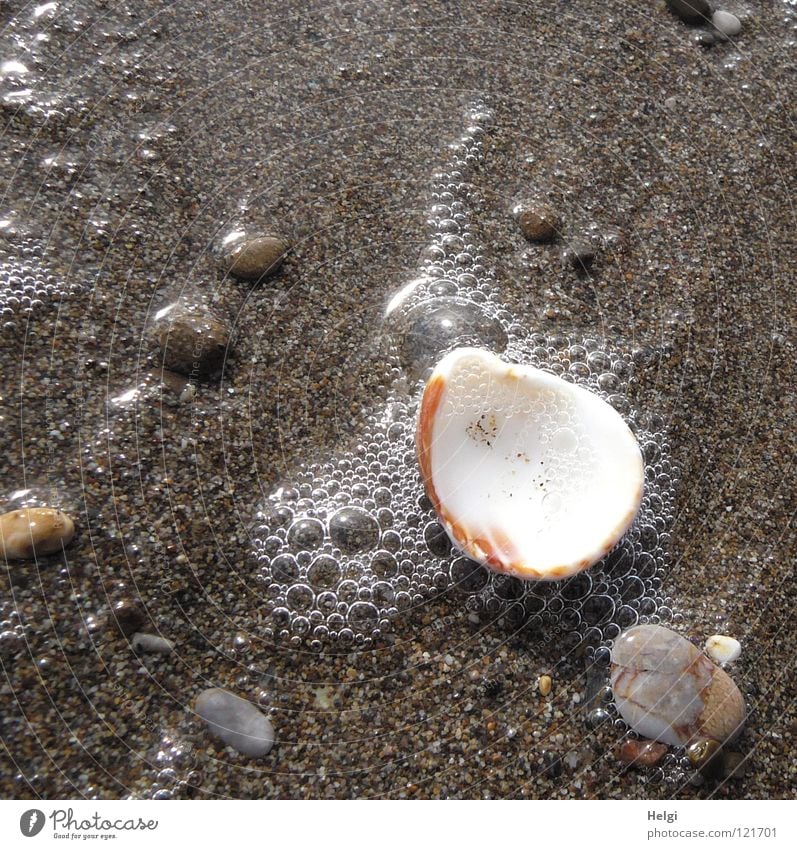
726,23
256,257
705,39
151,643
690,11
236,721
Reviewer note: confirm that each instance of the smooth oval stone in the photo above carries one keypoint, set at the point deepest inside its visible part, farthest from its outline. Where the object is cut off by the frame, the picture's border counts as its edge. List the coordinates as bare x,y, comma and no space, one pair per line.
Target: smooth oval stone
539,223
667,690
33,531
151,643
726,23
236,722
722,649
193,340
256,257
690,11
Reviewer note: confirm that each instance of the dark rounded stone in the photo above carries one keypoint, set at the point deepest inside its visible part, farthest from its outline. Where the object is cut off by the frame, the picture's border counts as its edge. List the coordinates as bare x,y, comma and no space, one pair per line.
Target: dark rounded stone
193,341
129,615
580,255
539,223
353,529
255,258
690,11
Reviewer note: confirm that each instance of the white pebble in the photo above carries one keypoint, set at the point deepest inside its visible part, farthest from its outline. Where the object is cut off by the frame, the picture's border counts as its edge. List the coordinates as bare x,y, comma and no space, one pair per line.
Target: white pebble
723,649
726,23
237,722
151,643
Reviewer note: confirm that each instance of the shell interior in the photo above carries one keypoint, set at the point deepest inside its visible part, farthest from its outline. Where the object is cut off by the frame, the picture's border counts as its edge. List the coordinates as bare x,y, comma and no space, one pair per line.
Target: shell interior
530,474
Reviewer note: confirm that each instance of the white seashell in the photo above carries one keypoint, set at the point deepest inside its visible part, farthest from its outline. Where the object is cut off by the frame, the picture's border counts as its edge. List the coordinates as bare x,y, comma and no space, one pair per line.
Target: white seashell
723,649
33,531
667,690
529,474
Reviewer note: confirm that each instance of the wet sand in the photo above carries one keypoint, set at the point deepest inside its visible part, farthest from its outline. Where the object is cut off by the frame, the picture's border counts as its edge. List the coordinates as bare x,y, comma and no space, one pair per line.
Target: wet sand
133,141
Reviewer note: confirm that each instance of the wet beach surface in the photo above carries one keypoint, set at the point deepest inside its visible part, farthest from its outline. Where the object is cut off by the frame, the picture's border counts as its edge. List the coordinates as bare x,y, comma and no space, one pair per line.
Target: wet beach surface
136,139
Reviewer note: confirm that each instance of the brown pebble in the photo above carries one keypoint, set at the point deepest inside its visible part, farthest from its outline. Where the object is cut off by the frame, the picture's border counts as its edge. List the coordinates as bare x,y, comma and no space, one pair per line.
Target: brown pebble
641,752
255,258
545,683
129,616
539,223
705,756
34,531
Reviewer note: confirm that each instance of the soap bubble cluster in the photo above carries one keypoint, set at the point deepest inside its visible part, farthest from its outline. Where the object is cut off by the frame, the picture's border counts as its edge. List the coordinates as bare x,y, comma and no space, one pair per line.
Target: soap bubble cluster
353,543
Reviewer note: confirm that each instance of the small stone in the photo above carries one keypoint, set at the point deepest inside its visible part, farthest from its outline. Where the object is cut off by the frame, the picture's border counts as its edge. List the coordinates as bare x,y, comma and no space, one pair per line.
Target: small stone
539,223
255,258
705,39
544,685
690,11
492,687
236,722
726,23
34,531
129,616
192,339
151,643
641,752
704,755
735,764
580,255
722,649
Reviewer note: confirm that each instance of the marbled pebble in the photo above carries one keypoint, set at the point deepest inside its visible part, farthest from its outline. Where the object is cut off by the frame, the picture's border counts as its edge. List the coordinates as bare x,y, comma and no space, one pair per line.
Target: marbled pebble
726,23
690,11
539,223
256,257
667,690
236,721
545,684
34,531
722,649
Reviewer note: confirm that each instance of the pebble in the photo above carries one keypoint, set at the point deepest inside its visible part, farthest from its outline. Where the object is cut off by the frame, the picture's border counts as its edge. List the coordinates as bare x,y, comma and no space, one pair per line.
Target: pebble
151,643
236,721
705,39
193,340
641,752
539,223
255,258
690,11
545,684
129,616
703,755
34,531
667,690
726,23
580,255
722,649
